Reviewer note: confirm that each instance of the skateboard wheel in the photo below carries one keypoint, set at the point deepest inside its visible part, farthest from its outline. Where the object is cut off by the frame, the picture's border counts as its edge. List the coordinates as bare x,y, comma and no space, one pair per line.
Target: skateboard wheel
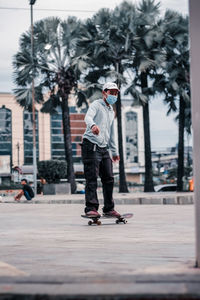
125,221
90,223
98,222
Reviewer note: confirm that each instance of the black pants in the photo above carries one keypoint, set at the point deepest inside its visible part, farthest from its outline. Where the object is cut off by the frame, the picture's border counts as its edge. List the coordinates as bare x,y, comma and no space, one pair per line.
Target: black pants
97,162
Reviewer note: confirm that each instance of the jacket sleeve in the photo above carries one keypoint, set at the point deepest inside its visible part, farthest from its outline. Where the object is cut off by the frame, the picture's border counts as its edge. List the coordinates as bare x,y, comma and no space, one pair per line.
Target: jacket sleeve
112,144
91,113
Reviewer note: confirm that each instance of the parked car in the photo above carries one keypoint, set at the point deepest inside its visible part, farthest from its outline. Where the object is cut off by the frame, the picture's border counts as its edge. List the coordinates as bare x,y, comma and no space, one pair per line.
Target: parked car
171,187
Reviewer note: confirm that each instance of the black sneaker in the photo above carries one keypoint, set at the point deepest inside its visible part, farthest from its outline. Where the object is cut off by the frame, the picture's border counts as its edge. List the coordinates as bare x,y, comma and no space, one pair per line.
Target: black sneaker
112,213
92,213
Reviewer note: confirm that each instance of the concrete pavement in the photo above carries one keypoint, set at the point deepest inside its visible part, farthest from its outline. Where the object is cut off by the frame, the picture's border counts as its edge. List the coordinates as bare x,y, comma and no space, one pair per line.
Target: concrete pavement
48,251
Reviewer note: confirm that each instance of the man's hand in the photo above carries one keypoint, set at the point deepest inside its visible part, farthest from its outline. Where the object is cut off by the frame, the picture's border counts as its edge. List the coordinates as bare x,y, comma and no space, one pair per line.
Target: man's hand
95,129
115,158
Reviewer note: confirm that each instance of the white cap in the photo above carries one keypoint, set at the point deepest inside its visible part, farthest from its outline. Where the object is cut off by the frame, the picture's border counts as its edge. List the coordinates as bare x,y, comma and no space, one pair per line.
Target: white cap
110,86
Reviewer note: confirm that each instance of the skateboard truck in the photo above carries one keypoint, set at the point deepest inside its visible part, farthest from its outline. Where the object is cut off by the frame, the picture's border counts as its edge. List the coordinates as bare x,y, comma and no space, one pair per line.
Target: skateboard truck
121,220
94,220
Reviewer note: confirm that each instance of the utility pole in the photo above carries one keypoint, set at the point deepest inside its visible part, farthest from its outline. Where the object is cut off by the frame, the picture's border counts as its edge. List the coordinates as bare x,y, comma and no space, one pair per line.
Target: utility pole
18,153
18,158
159,156
32,2
194,12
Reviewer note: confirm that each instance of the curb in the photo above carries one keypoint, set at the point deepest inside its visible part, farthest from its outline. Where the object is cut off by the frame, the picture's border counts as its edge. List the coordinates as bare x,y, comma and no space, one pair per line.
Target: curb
120,199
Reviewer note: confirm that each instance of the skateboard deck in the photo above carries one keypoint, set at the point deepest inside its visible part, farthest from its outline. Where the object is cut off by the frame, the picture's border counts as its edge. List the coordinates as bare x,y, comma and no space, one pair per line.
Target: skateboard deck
96,220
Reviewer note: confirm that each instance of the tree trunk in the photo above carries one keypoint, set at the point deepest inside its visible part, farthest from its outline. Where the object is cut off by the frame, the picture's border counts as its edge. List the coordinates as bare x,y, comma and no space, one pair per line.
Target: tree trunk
148,182
68,144
122,177
180,171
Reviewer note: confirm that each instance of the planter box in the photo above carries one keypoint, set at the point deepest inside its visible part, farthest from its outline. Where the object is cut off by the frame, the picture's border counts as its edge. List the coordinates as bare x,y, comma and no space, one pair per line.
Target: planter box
57,188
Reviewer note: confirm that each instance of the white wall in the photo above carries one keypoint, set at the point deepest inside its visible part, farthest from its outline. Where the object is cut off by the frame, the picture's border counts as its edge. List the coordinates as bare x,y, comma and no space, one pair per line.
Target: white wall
138,111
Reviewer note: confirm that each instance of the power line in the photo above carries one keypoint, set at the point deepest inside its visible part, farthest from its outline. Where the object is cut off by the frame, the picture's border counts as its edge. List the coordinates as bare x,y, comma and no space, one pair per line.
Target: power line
48,9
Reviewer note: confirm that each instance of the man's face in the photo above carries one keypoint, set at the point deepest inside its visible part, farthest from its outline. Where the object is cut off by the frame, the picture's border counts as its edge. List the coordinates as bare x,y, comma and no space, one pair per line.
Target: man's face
23,182
113,92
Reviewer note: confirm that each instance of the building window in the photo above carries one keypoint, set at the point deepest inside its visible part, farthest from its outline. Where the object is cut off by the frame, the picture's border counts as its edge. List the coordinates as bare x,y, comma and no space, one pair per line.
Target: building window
57,138
5,131
78,127
28,137
131,137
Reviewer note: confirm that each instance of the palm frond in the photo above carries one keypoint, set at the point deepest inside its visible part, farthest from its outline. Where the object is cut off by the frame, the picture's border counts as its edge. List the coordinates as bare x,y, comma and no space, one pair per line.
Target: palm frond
138,97
146,64
23,67
81,98
50,106
23,96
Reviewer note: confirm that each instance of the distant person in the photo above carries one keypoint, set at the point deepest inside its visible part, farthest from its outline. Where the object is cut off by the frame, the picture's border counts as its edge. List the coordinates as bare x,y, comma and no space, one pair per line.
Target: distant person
26,191
41,185
97,139
191,185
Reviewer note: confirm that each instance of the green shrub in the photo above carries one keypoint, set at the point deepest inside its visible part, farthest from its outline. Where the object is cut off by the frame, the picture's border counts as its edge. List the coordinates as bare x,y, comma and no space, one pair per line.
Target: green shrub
52,170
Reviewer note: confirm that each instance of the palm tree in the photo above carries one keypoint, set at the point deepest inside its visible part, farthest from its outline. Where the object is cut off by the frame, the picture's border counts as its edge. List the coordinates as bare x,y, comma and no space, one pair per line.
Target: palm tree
107,40
175,79
149,57
53,71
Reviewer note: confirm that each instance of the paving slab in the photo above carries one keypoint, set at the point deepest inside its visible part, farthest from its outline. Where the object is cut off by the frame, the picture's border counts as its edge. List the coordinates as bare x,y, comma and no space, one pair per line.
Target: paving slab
49,251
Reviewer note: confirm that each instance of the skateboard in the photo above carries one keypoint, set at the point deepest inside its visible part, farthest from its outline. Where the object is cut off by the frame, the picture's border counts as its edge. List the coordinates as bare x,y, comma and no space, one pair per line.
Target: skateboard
96,220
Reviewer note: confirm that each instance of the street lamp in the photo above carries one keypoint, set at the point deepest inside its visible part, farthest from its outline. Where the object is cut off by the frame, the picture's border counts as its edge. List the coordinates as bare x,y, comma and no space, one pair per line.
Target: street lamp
32,2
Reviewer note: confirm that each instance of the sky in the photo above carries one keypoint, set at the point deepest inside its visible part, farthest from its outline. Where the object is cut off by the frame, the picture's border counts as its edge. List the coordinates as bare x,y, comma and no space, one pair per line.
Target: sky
15,19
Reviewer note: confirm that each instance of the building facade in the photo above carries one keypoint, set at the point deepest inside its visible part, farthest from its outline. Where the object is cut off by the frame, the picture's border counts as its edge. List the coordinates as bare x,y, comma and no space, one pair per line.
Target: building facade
16,133
133,135
16,139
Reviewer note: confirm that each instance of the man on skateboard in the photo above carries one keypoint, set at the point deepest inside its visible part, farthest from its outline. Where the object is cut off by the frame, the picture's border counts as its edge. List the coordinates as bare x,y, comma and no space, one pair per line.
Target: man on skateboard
97,139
